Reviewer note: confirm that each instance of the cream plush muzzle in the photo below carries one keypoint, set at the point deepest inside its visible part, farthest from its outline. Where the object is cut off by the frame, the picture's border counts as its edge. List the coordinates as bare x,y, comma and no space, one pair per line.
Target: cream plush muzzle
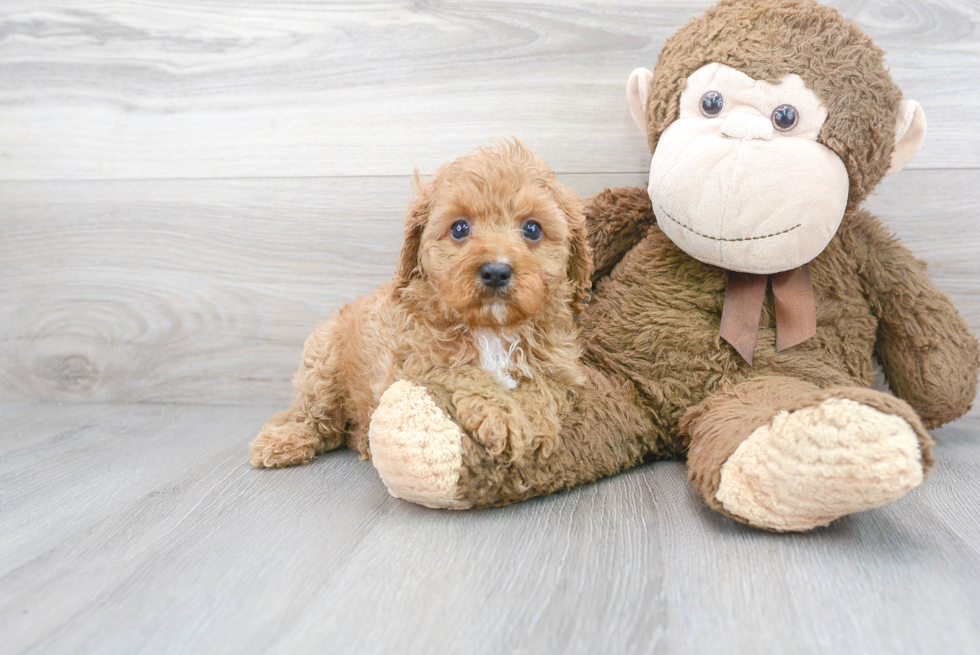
733,191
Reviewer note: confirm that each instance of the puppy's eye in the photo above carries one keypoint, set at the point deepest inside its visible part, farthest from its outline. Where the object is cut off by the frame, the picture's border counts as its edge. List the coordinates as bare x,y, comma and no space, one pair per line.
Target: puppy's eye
712,103
785,118
532,231
460,230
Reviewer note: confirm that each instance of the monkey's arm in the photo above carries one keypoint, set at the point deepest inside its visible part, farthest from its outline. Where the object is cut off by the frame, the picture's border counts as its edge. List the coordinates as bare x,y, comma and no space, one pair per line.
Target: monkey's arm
617,219
929,356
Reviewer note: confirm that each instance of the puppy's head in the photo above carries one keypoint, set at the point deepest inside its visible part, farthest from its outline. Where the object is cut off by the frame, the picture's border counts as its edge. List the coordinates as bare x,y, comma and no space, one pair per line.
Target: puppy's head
498,238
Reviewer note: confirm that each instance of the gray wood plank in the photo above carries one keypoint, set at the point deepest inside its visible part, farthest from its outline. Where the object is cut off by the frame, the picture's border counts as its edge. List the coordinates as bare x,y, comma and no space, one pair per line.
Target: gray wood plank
213,89
136,528
100,513
204,291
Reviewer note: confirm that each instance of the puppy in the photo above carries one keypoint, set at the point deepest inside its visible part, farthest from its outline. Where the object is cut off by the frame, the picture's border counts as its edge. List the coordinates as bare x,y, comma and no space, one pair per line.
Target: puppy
494,266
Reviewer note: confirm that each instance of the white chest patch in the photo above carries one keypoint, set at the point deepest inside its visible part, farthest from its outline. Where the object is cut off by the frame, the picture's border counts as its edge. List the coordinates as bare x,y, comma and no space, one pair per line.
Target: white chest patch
496,355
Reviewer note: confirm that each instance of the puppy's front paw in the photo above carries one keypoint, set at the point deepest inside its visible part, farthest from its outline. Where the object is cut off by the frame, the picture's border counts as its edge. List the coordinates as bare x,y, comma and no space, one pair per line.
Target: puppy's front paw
282,445
496,424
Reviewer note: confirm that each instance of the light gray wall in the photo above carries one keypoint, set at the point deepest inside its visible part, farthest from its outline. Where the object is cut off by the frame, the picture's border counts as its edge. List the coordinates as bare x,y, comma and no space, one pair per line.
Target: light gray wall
186,188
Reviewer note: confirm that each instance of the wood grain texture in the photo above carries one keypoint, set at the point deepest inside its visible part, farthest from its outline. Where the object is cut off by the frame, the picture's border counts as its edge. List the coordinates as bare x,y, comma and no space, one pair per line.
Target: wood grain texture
187,187
208,88
183,290
204,291
141,528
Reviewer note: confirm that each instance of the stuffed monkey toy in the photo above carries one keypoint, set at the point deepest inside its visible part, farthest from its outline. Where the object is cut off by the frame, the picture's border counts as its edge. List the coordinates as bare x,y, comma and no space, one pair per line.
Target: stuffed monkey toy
740,302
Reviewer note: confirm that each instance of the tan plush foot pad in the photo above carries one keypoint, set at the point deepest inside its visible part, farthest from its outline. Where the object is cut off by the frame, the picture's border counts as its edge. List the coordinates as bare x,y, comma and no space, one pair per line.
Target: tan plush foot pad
416,448
811,466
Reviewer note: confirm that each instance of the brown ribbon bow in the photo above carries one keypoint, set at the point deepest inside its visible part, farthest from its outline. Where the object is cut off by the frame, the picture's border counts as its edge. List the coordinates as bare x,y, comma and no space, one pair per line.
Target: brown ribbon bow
796,311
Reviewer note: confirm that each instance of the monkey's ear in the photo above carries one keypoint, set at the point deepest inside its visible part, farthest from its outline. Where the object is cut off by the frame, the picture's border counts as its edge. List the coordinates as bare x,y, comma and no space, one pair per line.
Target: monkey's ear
910,131
410,263
638,93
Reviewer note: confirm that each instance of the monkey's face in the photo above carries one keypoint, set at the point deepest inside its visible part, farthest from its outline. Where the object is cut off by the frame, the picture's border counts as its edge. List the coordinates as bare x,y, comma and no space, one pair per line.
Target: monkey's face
739,180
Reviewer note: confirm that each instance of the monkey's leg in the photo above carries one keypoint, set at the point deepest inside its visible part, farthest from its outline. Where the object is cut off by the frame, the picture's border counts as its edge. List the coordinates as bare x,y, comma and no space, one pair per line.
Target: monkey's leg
315,421
780,454
423,456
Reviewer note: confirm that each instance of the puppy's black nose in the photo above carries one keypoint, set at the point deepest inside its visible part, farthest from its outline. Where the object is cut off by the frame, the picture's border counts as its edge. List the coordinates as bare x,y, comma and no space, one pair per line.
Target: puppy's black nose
496,274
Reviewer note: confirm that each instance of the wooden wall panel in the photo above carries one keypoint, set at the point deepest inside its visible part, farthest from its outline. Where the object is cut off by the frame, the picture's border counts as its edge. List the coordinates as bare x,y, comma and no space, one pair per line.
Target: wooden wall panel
208,88
203,291
187,187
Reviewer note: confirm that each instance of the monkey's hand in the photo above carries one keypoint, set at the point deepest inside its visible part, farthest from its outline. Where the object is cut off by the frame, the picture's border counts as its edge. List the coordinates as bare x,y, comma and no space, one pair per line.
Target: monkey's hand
929,357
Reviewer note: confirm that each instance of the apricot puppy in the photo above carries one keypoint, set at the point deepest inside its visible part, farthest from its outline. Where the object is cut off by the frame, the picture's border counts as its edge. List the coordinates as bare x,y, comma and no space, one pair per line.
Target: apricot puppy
494,265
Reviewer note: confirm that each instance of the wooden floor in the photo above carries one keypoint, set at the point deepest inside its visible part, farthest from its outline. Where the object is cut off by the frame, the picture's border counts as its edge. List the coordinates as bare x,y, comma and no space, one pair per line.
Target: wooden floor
141,528
188,186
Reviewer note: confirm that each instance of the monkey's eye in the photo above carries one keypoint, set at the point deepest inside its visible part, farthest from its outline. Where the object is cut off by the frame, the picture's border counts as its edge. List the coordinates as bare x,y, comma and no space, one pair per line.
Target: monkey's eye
460,230
532,231
785,118
712,103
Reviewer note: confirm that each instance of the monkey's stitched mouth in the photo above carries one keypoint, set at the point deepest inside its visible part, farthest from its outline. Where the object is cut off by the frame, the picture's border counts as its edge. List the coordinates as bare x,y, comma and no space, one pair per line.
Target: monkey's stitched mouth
708,236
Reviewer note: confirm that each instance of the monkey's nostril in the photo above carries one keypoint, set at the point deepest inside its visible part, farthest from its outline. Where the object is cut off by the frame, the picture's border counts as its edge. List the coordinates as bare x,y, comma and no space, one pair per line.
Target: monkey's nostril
496,274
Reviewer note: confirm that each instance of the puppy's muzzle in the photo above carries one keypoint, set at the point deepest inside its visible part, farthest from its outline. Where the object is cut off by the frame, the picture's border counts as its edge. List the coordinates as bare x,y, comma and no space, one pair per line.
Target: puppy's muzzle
496,275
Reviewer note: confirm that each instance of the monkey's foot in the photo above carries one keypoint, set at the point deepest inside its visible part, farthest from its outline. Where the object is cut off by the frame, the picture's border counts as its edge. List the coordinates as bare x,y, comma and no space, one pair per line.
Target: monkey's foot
416,448
808,467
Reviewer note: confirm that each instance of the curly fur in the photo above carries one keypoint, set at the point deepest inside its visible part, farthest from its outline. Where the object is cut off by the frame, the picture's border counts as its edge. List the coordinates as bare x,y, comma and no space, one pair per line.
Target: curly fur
435,319
661,381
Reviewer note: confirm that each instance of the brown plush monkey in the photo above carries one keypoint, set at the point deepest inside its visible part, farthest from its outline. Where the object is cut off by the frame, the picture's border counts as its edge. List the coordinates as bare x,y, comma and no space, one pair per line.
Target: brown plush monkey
770,121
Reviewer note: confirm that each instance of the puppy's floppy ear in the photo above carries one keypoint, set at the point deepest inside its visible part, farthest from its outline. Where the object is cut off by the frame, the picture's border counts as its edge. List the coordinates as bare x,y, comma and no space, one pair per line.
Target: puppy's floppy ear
410,263
580,263
579,252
